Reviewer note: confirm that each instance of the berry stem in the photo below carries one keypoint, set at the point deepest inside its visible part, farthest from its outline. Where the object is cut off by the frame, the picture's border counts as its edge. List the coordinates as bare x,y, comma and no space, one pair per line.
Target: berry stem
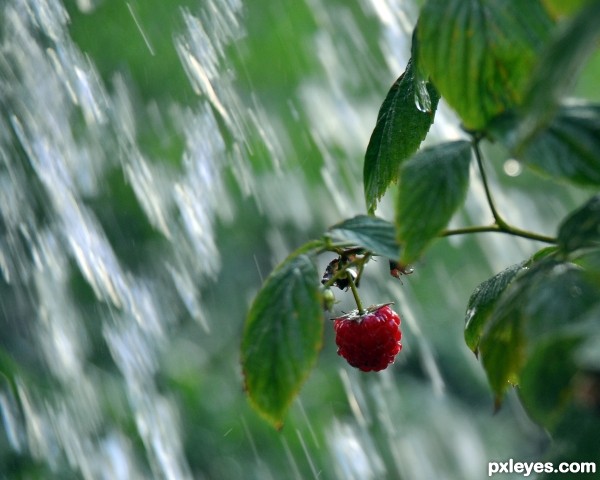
359,305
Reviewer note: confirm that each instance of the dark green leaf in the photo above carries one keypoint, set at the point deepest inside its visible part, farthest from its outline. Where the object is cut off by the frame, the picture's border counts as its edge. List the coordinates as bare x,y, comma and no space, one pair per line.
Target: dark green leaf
550,298
282,337
402,123
561,301
479,54
368,232
589,260
557,72
503,343
482,302
568,148
561,372
581,229
541,254
433,184
546,382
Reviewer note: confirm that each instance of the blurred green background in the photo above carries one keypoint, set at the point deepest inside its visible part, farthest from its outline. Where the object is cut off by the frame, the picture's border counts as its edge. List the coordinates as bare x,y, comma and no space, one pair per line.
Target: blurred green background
158,159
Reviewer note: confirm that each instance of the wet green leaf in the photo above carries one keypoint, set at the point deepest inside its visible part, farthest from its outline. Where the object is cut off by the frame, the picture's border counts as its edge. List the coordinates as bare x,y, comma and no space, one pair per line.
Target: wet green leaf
282,337
503,343
546,382
371,233
558,69
561,375
581,229
433,184
479,54
561,302
567,149
541,254
482,302
549,299
402,123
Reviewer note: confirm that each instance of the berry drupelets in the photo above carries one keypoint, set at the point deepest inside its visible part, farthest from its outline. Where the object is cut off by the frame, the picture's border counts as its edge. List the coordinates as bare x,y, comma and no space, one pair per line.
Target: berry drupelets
369,341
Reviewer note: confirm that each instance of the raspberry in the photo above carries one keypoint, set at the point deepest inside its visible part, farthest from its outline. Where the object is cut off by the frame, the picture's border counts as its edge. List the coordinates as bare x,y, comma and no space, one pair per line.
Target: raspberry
370,341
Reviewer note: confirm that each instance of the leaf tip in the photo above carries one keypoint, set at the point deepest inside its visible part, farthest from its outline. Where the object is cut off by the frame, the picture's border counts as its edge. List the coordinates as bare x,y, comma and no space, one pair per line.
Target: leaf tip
276,421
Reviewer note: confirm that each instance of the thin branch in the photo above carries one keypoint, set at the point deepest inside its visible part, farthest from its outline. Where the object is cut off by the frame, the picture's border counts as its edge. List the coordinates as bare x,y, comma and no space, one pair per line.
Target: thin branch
488,194
314,245
507,229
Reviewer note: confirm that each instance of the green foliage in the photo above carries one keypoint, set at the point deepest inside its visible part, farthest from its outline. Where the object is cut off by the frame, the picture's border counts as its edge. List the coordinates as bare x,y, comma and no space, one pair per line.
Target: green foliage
433,184
581,229
505,68
546,300
371,233
482,304
402,124
282,337
546,382
565,149
557,70
284,327
479,53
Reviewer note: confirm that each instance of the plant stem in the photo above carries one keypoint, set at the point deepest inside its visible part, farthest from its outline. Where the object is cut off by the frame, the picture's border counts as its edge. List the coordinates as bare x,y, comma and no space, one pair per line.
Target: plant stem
508,229
313,245
361,266
497,218
355,294
500,225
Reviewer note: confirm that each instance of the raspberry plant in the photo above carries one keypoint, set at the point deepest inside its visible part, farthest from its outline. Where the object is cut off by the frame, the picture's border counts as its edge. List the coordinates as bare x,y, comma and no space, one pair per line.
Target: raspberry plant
505,67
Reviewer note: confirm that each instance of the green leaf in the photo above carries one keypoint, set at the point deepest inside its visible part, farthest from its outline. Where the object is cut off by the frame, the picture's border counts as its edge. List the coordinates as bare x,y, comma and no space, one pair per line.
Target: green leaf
482,303
570,147
567,149
479,54
560,64
282,337
545,252
546,383
581,229
561,371
551,298
503,343
402,124
371,233
560,304
433,184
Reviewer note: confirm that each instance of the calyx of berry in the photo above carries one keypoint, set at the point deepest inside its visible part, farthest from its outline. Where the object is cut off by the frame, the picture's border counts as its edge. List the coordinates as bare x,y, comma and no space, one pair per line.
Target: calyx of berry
358,316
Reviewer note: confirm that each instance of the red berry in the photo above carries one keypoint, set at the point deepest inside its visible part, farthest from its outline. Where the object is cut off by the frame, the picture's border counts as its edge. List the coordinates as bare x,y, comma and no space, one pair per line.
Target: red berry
370,341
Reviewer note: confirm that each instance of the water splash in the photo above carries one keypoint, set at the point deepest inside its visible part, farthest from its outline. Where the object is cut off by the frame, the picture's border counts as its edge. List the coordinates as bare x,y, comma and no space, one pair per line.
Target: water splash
42,101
